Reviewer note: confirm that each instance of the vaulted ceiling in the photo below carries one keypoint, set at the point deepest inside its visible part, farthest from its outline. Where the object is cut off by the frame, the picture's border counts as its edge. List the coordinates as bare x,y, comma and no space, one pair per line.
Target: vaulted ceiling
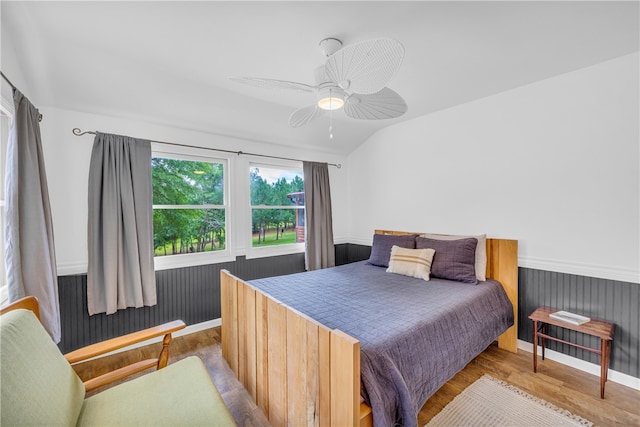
170,62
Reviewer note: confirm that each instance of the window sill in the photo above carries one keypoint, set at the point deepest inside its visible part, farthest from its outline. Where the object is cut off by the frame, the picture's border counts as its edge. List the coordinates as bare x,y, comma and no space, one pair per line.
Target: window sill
190,260
270,251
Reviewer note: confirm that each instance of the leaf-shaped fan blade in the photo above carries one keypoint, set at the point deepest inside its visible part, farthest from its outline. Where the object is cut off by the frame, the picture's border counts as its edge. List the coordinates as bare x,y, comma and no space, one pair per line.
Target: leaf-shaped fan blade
273,84
385,104
304,115
365,67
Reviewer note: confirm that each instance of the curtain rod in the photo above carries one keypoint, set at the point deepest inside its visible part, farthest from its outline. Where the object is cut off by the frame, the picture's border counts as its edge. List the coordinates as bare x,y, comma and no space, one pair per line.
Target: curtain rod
79,132
8,81
14,88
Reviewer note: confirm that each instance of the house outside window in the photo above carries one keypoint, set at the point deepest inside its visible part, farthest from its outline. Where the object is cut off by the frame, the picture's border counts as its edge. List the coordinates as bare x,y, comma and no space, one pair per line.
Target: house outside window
277,206
190,208
297,198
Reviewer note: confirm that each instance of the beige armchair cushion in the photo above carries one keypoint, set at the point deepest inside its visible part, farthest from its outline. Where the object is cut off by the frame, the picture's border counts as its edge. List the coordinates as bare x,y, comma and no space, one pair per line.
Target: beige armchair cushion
38,385
179,395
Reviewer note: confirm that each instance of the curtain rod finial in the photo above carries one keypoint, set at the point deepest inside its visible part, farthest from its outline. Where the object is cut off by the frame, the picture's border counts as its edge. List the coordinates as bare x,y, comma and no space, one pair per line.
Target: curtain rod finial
79,132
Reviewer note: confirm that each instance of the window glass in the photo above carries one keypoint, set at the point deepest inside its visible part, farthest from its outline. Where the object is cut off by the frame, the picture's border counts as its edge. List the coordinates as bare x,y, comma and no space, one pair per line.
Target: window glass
277,206
189,209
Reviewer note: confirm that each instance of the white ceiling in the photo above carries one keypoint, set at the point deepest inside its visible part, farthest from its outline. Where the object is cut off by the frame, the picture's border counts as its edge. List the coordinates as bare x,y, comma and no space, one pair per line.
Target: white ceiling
170,62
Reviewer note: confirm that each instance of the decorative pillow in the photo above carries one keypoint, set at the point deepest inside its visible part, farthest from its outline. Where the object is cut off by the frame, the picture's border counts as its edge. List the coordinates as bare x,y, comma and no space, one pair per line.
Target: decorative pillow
481,251
411,262
454,259
382,243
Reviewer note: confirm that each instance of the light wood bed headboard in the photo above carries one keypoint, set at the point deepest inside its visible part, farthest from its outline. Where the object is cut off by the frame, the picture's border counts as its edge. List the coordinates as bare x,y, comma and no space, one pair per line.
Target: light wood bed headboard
502,265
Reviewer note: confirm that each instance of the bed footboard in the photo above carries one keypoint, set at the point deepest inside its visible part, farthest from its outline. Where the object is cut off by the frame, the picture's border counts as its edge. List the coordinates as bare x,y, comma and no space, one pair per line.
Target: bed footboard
298,371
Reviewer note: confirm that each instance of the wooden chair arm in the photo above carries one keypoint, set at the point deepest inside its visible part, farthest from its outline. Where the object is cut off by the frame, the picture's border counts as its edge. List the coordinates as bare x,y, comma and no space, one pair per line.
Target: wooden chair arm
27,303
119,374
119,342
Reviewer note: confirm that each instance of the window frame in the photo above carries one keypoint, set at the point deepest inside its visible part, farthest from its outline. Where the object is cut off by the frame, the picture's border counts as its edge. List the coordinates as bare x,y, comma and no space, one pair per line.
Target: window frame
166,262
273,250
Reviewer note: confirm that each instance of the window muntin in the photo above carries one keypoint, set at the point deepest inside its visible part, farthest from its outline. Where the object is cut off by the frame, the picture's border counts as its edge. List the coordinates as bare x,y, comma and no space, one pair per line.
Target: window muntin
189,205
277,206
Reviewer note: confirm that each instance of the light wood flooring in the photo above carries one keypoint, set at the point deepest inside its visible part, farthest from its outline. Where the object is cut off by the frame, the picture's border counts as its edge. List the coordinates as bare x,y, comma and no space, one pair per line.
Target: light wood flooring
569,388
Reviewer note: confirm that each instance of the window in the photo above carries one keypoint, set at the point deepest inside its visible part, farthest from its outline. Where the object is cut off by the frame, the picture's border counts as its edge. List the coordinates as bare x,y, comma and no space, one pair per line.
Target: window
189,205
277,206
6,115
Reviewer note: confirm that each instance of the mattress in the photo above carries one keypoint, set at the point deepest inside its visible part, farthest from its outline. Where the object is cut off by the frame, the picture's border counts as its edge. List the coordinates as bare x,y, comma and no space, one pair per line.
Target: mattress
414,334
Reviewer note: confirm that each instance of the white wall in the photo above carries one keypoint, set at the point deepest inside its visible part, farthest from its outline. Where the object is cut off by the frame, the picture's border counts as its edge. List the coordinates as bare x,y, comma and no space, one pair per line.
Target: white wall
554,164
67,162
10,64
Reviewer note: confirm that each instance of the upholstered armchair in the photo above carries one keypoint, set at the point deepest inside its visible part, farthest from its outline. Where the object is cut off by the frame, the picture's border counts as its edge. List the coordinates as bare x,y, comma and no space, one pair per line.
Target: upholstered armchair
40,387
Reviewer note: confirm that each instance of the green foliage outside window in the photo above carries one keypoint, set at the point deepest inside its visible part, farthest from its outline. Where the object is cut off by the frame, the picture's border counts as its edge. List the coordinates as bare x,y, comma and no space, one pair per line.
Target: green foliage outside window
188,199
273,212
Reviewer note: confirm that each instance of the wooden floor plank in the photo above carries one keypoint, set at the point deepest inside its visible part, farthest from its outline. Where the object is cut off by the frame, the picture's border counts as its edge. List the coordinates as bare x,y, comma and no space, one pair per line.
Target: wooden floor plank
571,389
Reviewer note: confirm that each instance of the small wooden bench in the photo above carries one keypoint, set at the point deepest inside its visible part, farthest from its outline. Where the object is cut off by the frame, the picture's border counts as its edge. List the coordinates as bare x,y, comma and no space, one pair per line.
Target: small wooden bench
598,328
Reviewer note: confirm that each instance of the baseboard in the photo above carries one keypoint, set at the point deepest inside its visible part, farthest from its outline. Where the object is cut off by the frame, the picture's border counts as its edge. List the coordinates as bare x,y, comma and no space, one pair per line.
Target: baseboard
591,368
186,331
214,323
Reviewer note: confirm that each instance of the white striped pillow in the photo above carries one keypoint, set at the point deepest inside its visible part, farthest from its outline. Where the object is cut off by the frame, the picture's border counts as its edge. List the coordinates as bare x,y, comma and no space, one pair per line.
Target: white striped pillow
411,262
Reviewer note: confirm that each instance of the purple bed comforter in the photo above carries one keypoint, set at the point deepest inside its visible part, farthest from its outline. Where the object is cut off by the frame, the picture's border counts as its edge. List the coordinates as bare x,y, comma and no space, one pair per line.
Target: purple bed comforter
414,335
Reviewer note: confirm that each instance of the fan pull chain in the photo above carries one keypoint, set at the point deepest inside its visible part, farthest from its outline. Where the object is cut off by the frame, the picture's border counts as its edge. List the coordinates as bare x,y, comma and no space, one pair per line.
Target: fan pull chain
330,114
330,124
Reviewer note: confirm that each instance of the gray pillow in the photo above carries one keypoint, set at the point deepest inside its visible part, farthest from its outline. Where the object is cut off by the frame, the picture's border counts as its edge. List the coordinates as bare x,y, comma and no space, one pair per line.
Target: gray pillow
454,259
382,244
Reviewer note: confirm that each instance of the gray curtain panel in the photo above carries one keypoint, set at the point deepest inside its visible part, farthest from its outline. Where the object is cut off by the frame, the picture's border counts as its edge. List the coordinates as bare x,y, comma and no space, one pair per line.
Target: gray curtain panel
320,252
30,250
121,272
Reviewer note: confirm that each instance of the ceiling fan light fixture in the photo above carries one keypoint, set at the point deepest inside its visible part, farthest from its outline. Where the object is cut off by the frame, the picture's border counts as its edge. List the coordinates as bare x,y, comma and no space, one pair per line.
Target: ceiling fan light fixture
331,99
331,103
353,78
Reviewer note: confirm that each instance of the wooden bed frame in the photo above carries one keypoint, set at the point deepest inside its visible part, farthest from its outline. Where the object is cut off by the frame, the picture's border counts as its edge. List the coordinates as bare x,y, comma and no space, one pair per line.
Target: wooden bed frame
298,371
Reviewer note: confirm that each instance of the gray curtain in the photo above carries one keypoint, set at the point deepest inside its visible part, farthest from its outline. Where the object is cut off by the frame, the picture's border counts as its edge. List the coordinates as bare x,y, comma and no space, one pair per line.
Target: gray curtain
30,250
121,272
320,252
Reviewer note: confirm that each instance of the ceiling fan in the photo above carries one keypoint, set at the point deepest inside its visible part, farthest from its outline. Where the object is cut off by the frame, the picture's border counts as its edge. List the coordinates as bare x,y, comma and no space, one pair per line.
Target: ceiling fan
353,78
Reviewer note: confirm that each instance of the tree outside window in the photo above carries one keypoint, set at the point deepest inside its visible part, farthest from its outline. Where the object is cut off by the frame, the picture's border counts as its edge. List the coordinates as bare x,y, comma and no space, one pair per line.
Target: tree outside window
189,210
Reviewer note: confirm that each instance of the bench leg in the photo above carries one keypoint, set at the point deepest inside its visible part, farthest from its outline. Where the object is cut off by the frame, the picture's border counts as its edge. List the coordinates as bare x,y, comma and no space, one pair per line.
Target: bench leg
535,346
605,349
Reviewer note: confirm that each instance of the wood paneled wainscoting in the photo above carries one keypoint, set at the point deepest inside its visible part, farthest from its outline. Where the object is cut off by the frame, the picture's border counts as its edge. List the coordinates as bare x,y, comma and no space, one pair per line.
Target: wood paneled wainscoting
610,300
193,295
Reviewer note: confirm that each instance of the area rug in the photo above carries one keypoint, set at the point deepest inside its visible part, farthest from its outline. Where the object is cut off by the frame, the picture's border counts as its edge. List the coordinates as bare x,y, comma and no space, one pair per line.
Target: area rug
491,402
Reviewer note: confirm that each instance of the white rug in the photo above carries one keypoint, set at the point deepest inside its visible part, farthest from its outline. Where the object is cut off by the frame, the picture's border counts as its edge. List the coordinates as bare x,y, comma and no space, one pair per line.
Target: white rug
491,402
